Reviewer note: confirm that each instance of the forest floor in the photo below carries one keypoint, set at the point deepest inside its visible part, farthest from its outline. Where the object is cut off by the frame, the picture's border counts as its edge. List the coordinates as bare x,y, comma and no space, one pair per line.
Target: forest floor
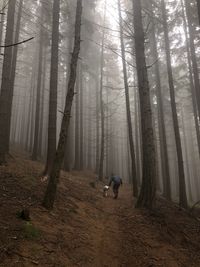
86,229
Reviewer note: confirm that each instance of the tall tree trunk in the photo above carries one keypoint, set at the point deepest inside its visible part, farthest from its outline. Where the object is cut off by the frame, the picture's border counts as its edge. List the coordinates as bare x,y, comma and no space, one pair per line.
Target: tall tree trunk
137,139
187,169
128,111
77,122
50,194
67,162
101,161
1,25
33,106
89,134
39,81
31,103
107,134
51,148
97,127
147,193
13,71
161,118
182,186
41,130
6,81
81,117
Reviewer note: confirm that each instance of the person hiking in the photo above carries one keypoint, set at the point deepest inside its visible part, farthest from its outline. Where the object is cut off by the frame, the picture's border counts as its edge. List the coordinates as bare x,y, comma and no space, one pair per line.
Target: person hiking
117,181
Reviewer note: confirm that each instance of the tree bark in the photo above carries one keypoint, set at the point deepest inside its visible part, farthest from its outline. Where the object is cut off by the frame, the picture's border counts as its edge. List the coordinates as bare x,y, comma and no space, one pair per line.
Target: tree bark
50,194
97,127
52,123
147,193
67,162
187,169
77,123
1,25
81,117
38,93
41,130
101,161
6,81
137,138
13,72
89,134
107,135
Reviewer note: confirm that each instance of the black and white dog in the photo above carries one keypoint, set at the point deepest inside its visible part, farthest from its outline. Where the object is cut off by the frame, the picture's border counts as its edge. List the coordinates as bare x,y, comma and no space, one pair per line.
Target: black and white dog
105,190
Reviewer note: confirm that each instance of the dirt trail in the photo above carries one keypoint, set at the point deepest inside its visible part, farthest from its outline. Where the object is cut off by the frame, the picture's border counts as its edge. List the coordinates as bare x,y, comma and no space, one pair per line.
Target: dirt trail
87,230
108,246
129,237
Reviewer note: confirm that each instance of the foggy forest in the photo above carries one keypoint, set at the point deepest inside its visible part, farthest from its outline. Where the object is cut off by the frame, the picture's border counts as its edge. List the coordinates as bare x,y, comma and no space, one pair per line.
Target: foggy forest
100,133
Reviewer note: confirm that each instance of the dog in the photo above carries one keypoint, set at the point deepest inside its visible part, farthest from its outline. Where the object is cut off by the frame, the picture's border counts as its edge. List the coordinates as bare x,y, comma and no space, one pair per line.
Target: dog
105,190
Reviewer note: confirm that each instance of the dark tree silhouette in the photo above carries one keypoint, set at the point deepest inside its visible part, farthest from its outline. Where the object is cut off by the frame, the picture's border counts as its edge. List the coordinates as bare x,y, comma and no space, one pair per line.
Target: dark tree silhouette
50,194
5,96
51,149
147,193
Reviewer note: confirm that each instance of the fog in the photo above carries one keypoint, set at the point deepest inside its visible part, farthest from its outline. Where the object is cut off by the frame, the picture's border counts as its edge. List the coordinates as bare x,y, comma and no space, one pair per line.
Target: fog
100,126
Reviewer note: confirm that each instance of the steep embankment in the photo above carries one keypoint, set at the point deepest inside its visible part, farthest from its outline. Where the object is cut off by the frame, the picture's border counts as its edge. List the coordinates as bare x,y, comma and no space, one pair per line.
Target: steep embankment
85,229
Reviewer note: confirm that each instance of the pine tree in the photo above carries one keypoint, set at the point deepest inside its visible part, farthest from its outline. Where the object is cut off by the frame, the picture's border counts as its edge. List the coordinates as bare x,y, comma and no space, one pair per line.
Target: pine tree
128,112
52,123
147,194
50,194
5,95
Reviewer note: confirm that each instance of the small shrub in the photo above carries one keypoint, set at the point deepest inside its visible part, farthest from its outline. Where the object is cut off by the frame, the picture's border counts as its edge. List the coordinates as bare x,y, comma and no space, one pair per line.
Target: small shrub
30,231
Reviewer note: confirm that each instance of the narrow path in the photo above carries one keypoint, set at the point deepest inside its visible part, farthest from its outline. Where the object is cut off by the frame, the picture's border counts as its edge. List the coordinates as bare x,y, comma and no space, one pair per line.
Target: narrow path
129,237
108,238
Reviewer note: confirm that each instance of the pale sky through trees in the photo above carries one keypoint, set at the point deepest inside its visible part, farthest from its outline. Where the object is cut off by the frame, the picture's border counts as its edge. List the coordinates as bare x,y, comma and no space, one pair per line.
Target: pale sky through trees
37,21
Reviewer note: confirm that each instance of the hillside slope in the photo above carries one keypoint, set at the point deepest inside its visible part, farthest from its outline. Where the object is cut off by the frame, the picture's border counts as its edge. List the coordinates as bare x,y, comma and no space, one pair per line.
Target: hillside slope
85,229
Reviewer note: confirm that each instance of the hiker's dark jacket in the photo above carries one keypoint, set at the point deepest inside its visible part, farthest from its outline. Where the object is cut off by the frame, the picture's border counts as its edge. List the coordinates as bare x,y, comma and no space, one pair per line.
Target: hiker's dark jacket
116,180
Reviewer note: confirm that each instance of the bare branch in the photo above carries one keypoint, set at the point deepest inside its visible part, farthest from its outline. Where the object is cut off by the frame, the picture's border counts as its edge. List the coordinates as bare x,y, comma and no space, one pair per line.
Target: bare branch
27,40
149,66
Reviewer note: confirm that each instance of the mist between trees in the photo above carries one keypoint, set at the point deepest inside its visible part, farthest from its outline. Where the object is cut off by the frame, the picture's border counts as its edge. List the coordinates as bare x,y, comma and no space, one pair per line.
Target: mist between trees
109,86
